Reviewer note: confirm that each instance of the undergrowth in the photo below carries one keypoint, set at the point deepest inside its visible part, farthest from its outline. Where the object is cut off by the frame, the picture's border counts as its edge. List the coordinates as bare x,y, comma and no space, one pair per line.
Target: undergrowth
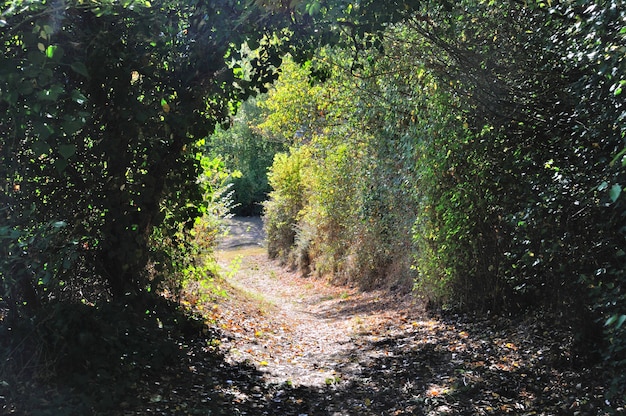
73,358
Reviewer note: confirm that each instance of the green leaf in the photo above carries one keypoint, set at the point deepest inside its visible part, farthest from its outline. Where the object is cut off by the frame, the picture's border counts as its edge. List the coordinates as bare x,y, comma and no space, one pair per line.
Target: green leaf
618,320
253,44
51,50
51,94
620,155
60,164
80,69
26,88
615,192
67,150
42,130
78,97
59,224
71,126
40,147
68,262
47,276
313,8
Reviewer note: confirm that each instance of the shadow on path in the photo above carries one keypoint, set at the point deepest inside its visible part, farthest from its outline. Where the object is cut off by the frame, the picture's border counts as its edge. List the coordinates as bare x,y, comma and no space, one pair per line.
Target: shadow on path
241,232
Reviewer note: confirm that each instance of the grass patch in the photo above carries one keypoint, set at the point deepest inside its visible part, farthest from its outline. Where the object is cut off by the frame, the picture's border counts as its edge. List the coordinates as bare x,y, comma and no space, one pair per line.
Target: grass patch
229,255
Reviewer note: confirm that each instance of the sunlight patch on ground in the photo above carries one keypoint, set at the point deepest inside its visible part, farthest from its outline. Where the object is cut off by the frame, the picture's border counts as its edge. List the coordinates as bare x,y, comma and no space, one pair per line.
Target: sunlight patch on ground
224,256
437,390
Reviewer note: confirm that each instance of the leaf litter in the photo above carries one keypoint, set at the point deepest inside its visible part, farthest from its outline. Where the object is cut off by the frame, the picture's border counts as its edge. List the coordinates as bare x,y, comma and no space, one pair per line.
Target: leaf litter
271,342
299,346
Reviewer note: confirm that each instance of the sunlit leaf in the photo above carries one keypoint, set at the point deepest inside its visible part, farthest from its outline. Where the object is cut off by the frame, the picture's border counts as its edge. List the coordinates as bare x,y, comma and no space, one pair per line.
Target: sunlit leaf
51,50
78,97
134,77
615,192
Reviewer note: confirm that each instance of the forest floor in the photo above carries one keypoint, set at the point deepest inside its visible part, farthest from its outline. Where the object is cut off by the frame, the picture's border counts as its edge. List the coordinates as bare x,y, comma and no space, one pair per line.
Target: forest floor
318,349
281,344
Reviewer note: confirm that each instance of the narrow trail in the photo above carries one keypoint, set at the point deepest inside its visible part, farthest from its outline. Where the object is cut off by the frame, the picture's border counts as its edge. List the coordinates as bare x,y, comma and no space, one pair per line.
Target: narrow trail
263,341
297,346
296,330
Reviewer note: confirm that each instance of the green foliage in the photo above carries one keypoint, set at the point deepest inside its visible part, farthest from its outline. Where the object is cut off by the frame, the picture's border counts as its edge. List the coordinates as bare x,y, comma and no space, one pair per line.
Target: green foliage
183,254
246,151
292,106
349,226
550,192
102,121
287,199
506,142
104,108
38,264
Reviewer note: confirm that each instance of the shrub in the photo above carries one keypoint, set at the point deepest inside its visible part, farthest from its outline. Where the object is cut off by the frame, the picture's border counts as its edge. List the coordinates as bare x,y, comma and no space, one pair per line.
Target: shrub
287,199
243,149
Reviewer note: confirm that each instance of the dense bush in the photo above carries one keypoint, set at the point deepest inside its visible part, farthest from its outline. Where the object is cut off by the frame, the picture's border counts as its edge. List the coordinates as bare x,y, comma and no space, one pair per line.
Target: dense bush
551,98
501,146
105,107
282,211
349,226
250,154
103,119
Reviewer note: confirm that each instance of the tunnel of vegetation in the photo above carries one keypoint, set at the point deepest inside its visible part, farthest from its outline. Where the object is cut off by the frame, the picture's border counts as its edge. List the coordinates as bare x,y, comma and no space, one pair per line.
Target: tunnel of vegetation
472,151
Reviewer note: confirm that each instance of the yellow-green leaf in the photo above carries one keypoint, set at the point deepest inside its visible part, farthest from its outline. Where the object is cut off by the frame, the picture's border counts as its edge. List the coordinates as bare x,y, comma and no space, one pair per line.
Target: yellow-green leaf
50,51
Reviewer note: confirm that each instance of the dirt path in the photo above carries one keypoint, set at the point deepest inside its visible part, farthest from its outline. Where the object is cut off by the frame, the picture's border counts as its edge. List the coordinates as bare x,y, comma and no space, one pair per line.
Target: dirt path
243,232
262,341
326,350
296,330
